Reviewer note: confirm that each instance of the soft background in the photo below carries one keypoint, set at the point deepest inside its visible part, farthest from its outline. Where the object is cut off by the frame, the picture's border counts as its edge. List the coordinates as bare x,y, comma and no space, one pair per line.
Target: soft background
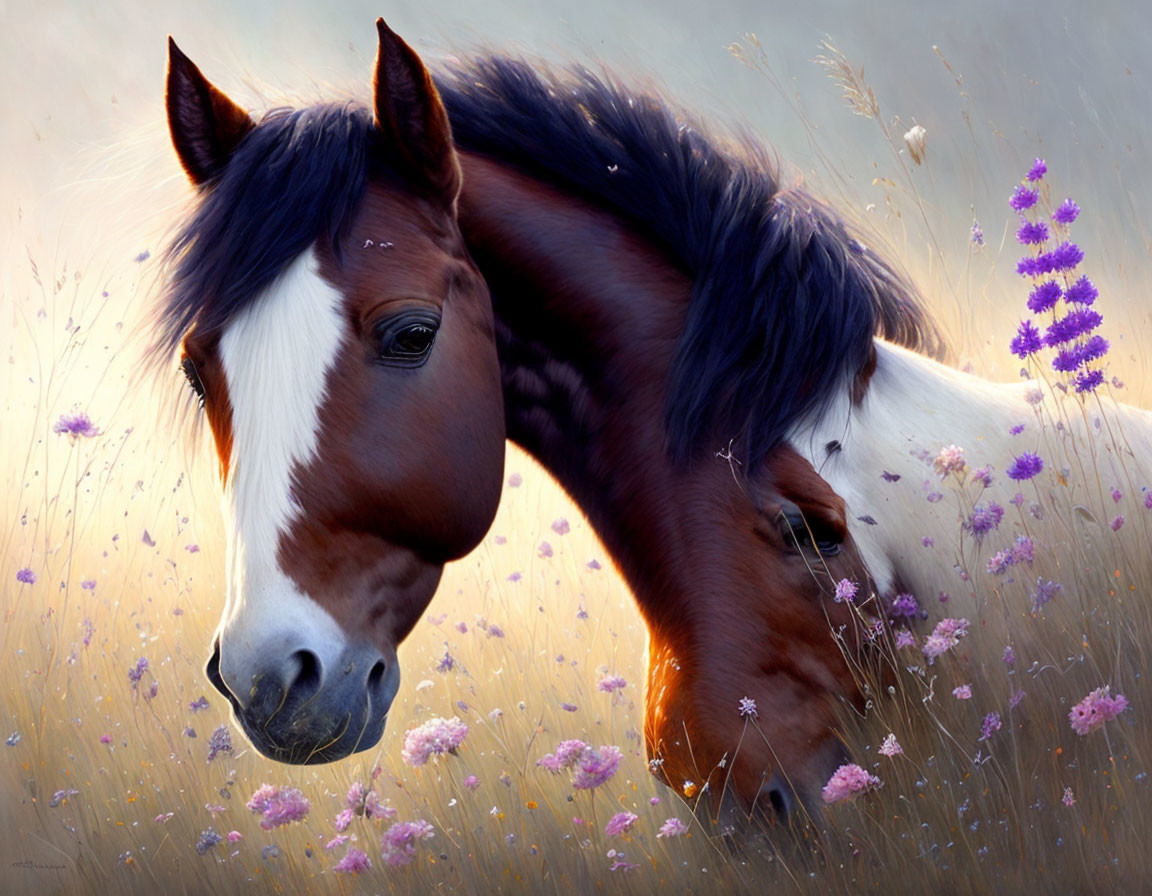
88,185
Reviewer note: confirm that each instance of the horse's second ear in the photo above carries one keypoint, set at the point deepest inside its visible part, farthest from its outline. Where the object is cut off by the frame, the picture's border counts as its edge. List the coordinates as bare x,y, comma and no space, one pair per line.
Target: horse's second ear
411,116
205,125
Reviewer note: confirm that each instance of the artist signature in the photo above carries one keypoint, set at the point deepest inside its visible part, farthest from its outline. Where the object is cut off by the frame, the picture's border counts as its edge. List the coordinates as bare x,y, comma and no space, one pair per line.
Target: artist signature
38,866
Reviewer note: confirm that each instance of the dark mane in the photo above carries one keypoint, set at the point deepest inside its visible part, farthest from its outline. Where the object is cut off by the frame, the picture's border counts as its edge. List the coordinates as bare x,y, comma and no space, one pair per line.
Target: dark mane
785,302
295,178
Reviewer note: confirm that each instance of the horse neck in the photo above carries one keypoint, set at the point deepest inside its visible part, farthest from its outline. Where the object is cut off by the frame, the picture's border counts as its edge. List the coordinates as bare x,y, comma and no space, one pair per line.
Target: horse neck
588,316
915,406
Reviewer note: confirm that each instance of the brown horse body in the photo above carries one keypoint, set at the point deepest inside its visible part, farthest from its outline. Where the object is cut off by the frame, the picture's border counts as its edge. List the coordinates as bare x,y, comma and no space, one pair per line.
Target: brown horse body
395,470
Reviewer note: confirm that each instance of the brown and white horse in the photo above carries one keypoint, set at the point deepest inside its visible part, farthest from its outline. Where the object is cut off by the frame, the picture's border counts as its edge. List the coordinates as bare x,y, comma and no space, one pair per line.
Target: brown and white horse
690,350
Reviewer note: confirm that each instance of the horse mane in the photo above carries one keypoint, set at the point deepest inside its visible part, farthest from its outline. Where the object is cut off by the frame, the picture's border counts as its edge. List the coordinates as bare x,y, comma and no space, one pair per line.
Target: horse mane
785,300
295,178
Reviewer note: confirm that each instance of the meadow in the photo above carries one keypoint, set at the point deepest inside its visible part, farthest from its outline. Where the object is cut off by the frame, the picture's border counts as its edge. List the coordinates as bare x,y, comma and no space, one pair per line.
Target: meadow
121,769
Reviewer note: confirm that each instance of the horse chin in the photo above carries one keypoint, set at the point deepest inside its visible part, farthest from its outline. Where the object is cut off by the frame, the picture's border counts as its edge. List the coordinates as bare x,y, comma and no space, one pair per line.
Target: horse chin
286,728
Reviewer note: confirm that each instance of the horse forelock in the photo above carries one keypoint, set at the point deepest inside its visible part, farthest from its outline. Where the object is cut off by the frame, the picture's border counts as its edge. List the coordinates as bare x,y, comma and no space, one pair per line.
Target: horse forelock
786,300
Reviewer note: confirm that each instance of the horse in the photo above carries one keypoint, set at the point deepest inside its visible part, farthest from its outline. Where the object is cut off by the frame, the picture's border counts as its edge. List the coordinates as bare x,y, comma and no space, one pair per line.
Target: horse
711,365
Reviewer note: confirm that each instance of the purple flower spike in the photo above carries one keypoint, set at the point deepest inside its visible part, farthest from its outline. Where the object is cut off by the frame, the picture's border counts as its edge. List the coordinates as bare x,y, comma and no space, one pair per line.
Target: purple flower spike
1023,198
1027,340
1026,466
1073,325
1089,380
1083,292
1044,296
1038,170
1066,213
1032,233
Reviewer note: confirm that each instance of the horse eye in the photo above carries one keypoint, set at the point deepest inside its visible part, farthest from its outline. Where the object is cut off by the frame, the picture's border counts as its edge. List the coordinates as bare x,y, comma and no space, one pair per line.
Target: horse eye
193,377
808,534
407,340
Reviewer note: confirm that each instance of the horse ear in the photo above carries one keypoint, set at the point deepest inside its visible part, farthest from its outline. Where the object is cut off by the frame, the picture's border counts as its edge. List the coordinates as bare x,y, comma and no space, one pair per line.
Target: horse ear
411,116
205,125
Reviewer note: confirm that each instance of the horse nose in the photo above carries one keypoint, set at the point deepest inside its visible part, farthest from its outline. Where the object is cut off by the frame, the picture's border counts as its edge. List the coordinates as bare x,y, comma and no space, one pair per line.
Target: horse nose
299,707
777,799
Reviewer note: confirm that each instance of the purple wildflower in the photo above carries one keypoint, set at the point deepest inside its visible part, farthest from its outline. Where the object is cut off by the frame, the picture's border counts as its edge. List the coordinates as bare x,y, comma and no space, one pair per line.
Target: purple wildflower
593,564
1044,296
620,823
949,460
964,692
1117,522
561,527
568,707
1082,292
1027,340
219,742
1096,709
137,672
398,846
1117,495
353,863
905,638
611,683
845,591
977,236
848,781
1032,233
235,837
990,725
945,636
26,576
1024,551
747,708
1066,213
1026,466
1023,198
545,550
89,628
589,767
197,705
278,805
983,476
88,584
471,782
984,519
673,827
1068,799
1076,323
207,840
1089,380
433,738
1009,656
75,426
904,605
1017,696
1038,170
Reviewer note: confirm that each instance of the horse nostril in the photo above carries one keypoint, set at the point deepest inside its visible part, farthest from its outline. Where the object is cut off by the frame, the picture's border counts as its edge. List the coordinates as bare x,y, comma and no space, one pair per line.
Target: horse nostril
307,680
376,676
779,795
779,802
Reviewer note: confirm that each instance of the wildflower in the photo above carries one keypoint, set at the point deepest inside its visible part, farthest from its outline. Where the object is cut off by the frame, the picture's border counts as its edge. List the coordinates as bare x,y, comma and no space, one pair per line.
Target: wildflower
338,840
561,527
891,747
494,631
1009,656
1023,198
1117,522
849,780
964,692
234,837
949,460
905,638
1089,380
1016,697
1096,709
353,863
219,742
1044,296
107,739
904,605
593,565
984,519
75,426
990,725
1068,799
88,584
545,550
1026,466
1082,292
1027,341
673,827
1066,212
343,819
1032,233
471,782
977,237
611,683
433,738
398,846
619,823
928,541
982,476
515,577
446,663
845,591
208,839
621,865
26,576
373,808
60,796
137,672
589,768
945,636
278,805
747,708
197,705
1038,170
515,480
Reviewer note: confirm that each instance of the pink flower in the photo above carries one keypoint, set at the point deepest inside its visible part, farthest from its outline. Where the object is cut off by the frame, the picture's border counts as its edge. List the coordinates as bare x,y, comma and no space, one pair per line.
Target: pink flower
964,692
891,747
747,708
673,827
1096,709
589,767
344,819
1117,522
338,840
849,780
945,636
471,782
845,591
611,683
1068,799
515,480
433,738
278,805
398,846
949,460
545,550
354,862
561,527
619,824
904,638
235,836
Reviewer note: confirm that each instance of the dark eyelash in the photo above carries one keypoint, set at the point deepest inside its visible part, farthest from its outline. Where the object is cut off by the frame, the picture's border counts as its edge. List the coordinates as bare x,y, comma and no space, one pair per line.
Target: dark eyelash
193,378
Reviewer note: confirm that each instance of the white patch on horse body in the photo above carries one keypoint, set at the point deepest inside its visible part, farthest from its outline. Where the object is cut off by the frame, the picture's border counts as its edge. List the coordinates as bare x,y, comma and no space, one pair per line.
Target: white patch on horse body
276,355
915,406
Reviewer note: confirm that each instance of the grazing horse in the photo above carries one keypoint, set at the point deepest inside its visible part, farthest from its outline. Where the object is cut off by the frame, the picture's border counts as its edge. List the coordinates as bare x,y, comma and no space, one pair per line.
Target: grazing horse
693,352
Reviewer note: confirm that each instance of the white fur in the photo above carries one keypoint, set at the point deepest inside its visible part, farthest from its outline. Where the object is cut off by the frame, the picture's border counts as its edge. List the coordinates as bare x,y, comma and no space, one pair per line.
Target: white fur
914,407
276,355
